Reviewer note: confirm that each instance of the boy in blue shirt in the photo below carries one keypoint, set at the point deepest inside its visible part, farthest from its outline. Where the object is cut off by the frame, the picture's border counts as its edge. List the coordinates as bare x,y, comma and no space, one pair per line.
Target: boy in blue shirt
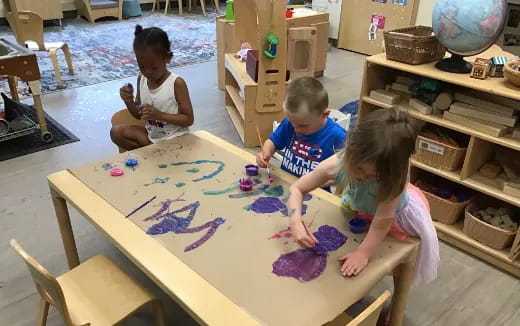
307,133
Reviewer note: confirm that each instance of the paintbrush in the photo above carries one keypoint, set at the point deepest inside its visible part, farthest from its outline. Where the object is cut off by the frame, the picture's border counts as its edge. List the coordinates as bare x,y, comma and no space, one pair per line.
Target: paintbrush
141,206
271,179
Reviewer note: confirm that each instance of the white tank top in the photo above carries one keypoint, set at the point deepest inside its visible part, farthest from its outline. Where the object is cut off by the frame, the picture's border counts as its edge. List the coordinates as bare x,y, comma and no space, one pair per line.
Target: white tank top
163,99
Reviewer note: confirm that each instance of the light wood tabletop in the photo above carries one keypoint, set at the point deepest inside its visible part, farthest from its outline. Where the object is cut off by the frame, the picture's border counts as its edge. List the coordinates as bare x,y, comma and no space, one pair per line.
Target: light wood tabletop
207,303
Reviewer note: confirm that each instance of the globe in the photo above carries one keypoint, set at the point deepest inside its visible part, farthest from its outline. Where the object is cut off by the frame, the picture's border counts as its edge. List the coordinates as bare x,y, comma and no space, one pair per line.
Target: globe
466,28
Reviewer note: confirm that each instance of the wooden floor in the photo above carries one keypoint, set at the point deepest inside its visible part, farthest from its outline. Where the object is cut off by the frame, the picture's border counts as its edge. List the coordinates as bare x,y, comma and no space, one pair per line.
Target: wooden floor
468,291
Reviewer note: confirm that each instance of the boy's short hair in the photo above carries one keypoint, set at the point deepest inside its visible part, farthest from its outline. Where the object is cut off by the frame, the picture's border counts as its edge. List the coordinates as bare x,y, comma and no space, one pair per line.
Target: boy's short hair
306,92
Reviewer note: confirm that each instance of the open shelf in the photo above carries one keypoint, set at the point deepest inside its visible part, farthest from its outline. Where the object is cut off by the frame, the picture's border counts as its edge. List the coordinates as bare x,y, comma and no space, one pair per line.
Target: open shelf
505,141
233,93
238,69
453,234
236,119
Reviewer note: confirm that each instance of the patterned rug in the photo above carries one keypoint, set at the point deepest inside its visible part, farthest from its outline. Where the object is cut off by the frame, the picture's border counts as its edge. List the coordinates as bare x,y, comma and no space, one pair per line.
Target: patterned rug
103,51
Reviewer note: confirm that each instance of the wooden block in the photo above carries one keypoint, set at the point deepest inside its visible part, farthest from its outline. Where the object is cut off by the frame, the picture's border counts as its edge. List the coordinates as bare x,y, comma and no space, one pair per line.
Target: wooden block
383,96
516,133
420,106
475,112
512,188
400,87
490,170
485,105
487,128
504,101
444,100
405,80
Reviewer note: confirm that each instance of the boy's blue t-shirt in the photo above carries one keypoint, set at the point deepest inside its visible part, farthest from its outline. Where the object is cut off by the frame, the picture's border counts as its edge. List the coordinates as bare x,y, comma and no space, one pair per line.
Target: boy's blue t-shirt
303,153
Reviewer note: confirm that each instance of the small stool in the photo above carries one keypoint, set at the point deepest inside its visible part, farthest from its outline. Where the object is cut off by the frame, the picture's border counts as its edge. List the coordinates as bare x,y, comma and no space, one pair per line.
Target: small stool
132,8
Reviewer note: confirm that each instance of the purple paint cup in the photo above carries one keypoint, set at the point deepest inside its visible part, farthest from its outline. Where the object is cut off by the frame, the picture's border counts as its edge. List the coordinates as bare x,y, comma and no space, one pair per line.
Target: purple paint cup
358,225
252,170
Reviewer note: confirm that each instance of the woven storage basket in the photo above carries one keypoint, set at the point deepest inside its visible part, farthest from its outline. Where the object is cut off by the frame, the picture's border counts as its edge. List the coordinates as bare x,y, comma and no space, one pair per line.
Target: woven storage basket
512,73
483,232
413,45
443,210
437,154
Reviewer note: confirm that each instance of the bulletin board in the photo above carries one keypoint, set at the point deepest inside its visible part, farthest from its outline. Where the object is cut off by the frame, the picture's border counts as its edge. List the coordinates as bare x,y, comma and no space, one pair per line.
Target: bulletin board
227,236
363,22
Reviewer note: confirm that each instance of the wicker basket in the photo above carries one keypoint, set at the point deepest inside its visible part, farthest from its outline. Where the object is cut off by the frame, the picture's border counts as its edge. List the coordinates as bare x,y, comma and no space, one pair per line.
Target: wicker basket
437,154
512,73
443,210
413,45
483,232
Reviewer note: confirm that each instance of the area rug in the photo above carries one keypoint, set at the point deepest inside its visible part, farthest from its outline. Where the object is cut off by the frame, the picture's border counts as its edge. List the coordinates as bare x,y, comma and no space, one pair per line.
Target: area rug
352,109
32,143
103,51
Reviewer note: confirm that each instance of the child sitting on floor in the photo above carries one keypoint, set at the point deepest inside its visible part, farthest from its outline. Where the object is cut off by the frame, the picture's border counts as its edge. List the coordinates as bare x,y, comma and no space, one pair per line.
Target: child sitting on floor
162,96
372,173
308,135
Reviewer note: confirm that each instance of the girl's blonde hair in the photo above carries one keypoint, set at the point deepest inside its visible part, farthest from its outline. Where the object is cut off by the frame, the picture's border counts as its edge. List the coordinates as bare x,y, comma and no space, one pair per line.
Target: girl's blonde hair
386,137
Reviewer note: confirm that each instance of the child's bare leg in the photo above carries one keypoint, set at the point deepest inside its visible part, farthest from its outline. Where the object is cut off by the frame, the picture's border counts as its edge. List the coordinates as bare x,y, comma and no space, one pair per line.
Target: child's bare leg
129,137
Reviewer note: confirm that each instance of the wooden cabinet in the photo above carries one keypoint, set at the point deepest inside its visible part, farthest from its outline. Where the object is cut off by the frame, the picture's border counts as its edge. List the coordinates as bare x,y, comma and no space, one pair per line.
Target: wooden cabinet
380,72
226,42
47,9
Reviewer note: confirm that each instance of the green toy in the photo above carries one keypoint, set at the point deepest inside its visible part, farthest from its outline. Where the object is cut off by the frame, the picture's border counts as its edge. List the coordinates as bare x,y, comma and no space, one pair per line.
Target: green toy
230,10
272,43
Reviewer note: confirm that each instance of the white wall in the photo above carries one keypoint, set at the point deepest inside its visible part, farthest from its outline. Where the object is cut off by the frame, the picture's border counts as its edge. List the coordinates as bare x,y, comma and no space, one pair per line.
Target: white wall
424,12
66,4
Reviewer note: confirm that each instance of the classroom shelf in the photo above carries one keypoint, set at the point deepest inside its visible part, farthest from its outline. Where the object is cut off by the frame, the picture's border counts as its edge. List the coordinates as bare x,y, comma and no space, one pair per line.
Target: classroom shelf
505,141
453,235
380,72
238,122
233,92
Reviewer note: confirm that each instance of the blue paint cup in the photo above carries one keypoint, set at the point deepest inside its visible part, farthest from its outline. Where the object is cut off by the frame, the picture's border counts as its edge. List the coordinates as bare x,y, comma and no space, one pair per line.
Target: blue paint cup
358,225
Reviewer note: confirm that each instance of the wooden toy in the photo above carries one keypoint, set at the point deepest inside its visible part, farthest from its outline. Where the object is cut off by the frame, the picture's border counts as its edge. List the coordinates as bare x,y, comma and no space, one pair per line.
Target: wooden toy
480,68
490,170
384,96
516,133
488,105
400,88
420,106
444,100
496,68
475,112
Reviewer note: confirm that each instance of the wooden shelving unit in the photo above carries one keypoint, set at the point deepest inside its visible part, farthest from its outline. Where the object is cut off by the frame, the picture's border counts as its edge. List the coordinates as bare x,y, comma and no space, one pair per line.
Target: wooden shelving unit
379,72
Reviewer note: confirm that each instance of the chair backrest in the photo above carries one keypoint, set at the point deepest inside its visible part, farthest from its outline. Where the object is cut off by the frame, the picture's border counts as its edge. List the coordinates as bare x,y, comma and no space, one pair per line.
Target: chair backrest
27,26
370,315
46,284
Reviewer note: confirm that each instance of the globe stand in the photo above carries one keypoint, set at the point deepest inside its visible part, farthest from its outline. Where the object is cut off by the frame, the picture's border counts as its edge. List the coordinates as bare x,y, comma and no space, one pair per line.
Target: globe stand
455,64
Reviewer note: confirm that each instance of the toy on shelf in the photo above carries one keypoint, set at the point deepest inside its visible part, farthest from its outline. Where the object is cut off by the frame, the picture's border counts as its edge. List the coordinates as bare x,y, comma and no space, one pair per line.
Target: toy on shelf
272,43
496,68
288,13
480,68
230,10
244,49
499,217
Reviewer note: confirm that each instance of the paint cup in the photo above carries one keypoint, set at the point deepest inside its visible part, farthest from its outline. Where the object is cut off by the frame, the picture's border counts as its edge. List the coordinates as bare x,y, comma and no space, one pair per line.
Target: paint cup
246,184
131,160
252,170
358,225
117,170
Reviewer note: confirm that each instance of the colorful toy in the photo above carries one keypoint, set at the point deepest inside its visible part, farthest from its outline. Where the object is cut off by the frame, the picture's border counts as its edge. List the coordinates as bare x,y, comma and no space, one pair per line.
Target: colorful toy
272,43
230,10
480,68
288,13
496,68
244,49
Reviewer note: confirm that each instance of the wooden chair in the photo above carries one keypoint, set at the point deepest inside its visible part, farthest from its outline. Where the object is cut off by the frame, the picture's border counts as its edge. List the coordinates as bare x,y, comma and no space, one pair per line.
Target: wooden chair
124,117
95,9
97,292
368,317
203,6
28,29
167,4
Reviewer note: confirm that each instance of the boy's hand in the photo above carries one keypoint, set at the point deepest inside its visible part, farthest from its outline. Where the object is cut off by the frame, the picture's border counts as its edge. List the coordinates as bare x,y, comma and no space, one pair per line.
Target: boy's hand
262,159
127,93
299,232
149,112
353,263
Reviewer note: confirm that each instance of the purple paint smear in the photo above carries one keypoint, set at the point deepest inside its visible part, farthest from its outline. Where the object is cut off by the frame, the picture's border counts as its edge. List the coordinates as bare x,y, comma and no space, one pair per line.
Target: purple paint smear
172,223
211,225
307,264
265,205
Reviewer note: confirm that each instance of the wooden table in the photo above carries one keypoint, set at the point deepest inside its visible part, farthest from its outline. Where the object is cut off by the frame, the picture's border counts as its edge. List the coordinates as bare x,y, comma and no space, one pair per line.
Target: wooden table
201,299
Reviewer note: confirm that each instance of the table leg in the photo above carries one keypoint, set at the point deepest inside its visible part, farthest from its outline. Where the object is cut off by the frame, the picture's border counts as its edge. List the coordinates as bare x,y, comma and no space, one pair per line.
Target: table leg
67,235
36,92
403,276
12,81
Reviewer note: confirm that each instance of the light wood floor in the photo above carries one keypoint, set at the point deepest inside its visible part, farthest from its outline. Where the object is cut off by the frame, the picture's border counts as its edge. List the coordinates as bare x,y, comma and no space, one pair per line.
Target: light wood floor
468,291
